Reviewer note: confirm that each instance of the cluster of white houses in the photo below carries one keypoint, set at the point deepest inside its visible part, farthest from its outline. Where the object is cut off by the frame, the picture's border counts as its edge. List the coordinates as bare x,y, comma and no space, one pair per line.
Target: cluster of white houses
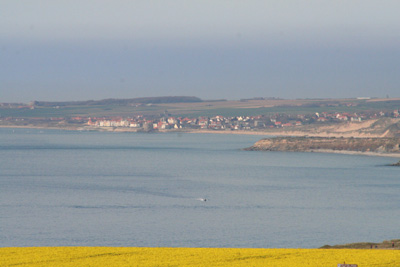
234,123
165,123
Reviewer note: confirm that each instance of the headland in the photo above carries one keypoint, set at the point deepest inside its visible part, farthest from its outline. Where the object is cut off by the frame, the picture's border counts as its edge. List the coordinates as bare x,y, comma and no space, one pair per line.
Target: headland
366,146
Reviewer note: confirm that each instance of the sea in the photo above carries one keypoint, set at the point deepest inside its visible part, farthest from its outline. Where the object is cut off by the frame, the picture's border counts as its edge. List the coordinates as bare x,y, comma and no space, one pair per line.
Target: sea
88,188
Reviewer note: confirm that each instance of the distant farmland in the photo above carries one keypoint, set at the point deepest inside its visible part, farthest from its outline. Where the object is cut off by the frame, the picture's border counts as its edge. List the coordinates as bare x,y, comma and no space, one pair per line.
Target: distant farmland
198,108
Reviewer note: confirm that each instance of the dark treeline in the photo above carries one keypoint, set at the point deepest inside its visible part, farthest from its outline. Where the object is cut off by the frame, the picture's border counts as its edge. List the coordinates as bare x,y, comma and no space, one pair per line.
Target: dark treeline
112,101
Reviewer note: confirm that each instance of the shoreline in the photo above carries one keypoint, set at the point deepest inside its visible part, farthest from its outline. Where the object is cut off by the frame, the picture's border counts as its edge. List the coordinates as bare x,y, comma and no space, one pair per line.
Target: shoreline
201,131
296,133
236,132
345,152
41,127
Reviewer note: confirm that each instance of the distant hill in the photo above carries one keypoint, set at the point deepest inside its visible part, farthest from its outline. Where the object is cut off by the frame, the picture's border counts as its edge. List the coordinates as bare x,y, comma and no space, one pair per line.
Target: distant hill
112,101
387,244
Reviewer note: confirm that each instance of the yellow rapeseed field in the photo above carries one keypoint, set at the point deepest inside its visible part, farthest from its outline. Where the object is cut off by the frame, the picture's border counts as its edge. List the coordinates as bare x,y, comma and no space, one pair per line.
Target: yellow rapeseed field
136,256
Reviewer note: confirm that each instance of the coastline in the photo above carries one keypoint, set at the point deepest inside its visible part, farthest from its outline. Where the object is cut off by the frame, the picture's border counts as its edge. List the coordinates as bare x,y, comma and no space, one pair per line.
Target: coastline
273,132
345,152
70,128
382,147
288,133
236,132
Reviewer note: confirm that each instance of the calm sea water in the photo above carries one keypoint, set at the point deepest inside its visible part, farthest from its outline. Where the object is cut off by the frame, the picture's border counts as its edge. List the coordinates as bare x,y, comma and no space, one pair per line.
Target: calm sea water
67,188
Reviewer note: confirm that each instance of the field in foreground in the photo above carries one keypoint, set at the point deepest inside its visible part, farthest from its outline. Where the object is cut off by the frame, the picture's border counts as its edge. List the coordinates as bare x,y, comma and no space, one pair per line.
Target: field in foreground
135,256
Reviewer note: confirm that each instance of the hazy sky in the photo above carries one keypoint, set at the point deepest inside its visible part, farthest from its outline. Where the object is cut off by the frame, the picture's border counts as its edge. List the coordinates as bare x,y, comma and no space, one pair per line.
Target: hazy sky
80,50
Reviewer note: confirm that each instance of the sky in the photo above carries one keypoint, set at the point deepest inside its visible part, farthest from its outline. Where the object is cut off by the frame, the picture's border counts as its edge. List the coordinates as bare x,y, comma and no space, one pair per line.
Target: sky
63,50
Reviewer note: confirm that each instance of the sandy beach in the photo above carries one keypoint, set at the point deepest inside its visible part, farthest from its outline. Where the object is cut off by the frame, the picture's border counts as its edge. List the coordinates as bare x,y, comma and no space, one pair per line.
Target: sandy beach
286,133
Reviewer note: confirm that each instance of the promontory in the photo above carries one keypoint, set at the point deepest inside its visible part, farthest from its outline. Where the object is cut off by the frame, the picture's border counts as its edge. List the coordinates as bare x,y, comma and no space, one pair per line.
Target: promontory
382,146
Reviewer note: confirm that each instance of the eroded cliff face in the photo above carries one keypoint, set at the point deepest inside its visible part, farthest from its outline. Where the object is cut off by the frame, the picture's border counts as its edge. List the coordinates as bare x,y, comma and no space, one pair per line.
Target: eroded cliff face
305,144
380,128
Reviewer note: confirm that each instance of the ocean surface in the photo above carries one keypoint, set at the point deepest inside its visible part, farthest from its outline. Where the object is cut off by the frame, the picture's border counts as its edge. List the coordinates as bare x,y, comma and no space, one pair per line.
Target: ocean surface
71,188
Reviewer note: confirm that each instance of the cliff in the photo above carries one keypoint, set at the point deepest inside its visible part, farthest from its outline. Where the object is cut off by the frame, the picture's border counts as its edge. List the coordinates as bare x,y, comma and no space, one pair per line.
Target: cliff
382,127
307,144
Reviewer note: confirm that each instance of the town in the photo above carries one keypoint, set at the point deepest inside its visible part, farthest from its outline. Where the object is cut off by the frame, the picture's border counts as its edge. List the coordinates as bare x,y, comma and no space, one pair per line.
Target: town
177,114
233,123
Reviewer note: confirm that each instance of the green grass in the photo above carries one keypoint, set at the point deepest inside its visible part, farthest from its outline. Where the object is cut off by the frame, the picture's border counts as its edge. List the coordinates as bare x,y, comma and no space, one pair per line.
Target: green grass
178,110
230,112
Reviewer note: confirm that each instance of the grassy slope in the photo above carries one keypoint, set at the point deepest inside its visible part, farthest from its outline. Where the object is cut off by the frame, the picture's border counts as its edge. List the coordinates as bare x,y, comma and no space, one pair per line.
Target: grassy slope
225,108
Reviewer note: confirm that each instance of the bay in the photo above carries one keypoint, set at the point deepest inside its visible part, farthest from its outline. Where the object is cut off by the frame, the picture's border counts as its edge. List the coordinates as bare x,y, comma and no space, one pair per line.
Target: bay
71,188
